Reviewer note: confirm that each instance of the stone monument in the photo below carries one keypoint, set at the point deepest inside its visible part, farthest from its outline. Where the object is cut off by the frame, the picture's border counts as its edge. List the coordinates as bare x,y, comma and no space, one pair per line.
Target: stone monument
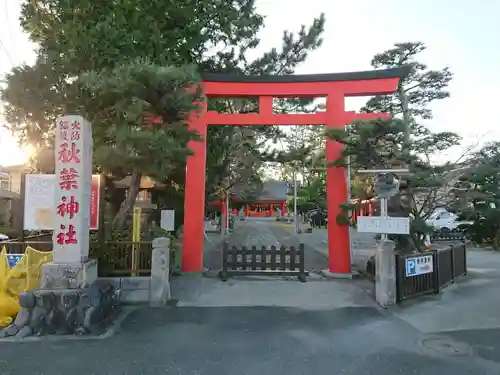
71,267
70,299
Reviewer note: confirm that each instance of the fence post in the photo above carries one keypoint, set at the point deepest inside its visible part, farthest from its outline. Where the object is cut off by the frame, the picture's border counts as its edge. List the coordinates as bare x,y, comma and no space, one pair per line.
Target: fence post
385,274
452,255
223,271
435,268
159,292
400,274
302,263
465,259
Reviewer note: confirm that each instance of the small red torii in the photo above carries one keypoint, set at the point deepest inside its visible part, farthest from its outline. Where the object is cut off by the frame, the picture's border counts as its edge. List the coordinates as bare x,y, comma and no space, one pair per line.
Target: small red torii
334,87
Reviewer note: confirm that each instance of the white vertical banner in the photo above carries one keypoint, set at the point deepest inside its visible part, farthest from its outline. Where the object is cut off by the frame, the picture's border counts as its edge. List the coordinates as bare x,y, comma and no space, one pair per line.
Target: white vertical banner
73,170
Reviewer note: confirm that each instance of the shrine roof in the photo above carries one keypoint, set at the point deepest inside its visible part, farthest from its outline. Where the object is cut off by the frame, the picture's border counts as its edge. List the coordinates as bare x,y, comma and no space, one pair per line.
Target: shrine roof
272,190
295,78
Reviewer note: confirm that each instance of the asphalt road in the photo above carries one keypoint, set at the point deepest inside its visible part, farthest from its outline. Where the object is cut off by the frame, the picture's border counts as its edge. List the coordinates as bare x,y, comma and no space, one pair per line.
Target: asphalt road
259,341
263,233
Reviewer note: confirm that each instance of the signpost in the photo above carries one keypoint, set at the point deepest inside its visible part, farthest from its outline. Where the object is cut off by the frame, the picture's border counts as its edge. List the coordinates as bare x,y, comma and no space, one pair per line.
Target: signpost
167,220
386,186
383,224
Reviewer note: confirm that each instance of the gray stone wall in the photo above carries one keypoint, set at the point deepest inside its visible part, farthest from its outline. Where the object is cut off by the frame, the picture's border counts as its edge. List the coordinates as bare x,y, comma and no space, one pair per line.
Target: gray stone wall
133,290
154,290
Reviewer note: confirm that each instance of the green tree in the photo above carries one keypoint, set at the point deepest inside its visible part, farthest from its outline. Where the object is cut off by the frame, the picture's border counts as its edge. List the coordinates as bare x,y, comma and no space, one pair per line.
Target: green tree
77,37
418,89
477,195
379,144
124,146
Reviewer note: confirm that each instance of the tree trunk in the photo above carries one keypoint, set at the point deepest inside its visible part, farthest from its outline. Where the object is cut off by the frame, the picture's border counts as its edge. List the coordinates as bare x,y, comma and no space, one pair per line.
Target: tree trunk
128,202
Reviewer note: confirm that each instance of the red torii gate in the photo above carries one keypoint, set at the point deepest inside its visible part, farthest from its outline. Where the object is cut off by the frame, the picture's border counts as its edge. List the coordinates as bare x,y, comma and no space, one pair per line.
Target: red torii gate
335,87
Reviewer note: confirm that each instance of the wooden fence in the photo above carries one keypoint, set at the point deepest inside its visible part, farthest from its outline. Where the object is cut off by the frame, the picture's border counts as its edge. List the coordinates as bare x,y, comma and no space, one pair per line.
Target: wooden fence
271,261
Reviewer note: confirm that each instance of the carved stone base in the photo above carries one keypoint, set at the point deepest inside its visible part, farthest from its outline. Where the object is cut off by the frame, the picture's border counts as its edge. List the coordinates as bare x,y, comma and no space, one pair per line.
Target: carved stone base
65,311
68,276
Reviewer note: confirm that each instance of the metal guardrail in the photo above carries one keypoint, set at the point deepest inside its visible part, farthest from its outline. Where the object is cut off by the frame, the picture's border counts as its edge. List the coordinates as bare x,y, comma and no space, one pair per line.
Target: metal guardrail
271,261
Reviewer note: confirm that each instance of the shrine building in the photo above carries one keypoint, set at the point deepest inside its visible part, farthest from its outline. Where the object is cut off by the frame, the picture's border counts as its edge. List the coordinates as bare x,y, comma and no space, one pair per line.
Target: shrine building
267,203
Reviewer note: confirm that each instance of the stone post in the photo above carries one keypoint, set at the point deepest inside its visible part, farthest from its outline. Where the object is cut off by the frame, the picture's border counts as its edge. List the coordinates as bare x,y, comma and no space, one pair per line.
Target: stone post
71,267
160,272
385,274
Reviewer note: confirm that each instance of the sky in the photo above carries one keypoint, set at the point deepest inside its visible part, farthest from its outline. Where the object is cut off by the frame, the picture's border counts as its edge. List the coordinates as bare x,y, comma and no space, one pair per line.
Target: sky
461,34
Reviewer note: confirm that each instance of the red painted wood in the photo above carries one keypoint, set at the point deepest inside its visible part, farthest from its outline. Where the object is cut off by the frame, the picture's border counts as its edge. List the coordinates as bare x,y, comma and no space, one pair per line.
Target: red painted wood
266,105
214,118
339,254
335,116
194,201
302,89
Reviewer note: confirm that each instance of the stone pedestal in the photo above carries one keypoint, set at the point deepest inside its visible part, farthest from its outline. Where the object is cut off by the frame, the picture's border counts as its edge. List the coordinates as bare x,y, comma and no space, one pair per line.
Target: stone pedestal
68,276
385,274
160,272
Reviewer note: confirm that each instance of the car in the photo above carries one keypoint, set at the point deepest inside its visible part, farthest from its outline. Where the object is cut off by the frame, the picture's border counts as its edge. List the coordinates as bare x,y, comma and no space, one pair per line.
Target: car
445,221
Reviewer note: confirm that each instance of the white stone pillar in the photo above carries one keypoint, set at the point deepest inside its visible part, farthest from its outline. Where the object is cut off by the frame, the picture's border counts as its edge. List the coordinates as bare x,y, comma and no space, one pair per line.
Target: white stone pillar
73,180
385,274
160,272
73,169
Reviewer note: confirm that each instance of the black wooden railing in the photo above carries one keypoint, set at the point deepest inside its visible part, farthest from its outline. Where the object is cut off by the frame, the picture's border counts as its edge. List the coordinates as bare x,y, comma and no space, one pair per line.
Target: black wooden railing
451,264
444,266
271,261
409,285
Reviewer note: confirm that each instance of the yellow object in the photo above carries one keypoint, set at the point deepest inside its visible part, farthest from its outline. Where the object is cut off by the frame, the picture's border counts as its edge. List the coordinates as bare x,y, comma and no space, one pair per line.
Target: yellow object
25,275
136,237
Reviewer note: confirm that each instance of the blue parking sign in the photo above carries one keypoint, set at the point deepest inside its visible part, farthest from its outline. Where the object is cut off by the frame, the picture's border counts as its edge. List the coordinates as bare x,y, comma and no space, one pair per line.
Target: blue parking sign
411,267
419,265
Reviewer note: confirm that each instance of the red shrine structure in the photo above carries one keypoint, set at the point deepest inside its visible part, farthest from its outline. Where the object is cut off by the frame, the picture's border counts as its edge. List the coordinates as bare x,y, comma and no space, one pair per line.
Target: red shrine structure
272,198
334,87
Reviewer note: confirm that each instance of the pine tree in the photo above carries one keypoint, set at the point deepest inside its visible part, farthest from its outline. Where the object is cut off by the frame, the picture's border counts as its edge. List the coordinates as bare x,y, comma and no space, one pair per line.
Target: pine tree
78,37
403,141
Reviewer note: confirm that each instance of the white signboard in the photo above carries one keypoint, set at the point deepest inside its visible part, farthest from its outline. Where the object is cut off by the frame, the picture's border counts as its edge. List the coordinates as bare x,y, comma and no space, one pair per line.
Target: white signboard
167,220
73,161
384,225
39,207
419,265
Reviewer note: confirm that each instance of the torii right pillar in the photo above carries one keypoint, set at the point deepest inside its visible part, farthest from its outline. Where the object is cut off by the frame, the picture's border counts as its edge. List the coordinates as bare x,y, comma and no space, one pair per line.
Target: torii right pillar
339,247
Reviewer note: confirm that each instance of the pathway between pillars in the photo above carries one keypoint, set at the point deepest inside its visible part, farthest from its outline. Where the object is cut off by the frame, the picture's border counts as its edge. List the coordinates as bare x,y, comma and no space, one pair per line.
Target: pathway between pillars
262,232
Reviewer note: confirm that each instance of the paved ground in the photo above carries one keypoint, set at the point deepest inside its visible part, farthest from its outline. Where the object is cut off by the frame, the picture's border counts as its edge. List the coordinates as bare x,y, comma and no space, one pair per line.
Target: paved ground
255,232
287,327
261,340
